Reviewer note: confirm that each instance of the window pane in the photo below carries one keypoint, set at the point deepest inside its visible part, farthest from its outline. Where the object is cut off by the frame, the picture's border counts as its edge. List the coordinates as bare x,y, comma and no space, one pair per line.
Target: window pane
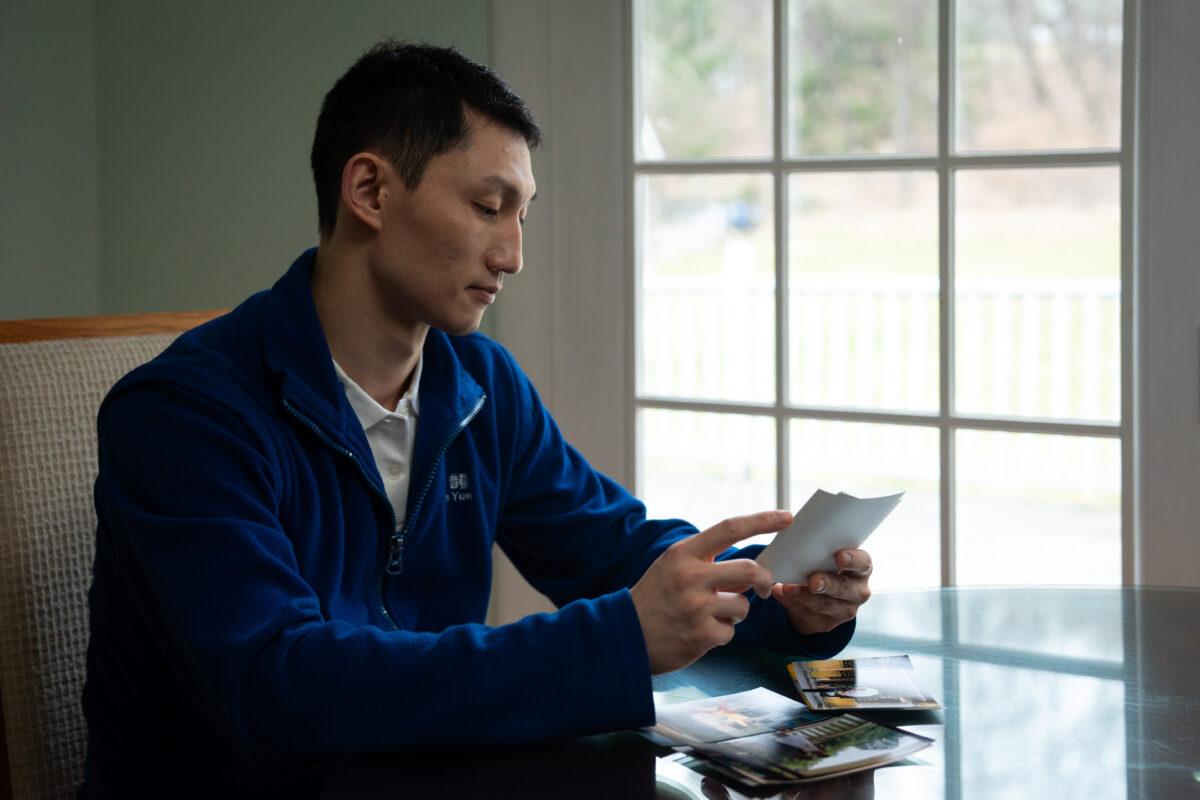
868,460
1038,509
703,72
705,467
1037,286
862,77
863,286
1038,75
706,306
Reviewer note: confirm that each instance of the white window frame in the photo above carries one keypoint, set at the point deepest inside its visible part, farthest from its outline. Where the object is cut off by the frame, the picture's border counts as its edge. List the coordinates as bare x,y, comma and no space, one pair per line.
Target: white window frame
568,319
946,164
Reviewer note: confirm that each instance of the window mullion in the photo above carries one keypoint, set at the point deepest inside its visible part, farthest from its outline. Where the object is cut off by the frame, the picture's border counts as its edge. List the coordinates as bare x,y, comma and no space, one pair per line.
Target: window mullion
869,163
780,111
632,264
1130,535
946,285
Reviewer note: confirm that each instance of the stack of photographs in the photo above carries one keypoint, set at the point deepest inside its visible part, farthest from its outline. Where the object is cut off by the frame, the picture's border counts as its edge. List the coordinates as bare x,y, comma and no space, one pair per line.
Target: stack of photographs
761,738
849,684
715,719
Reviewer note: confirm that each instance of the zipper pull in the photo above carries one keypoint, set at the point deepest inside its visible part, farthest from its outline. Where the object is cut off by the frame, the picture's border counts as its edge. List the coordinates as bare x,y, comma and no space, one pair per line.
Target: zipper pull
395,564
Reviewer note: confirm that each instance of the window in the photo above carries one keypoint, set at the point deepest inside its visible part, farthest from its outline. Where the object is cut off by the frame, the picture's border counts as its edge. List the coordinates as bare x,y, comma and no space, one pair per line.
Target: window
880,246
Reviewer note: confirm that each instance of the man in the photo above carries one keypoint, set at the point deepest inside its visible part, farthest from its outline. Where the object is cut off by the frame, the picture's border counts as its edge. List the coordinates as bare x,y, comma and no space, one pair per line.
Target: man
297,502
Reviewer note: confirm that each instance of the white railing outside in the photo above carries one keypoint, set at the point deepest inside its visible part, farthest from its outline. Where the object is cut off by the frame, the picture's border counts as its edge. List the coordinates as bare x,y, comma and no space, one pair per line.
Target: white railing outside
1035,348
1028,347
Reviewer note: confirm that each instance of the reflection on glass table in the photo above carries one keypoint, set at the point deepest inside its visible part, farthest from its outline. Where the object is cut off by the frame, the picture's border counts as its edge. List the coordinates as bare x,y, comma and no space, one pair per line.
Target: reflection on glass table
1048,692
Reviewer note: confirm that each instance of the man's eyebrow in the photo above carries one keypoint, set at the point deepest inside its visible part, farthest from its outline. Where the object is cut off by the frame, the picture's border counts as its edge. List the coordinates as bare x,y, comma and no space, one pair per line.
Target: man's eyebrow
505,187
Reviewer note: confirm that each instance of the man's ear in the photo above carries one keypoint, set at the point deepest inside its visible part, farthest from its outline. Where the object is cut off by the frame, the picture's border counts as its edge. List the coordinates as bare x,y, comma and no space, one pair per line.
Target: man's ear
364,188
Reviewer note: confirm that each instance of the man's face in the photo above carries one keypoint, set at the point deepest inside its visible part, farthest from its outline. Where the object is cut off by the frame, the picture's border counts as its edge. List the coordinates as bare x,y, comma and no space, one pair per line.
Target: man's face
443,250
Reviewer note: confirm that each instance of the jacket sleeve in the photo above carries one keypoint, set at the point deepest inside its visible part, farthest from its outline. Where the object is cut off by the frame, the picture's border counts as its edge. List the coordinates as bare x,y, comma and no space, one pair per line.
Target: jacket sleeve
573,532
189,497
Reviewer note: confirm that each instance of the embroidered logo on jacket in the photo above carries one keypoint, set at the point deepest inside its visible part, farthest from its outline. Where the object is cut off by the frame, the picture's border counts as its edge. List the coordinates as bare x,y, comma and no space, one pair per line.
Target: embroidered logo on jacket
459,488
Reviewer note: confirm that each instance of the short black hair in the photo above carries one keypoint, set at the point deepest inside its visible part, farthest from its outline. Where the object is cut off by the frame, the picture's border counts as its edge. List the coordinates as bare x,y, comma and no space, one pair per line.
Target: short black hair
406,101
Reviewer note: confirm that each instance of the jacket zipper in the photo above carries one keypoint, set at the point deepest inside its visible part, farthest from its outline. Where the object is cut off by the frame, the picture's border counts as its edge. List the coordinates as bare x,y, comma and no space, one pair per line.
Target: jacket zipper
337,448
395,562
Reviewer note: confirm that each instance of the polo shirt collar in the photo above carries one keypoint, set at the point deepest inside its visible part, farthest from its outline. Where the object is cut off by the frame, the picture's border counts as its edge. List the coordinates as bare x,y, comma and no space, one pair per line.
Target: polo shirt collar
295,351
370,412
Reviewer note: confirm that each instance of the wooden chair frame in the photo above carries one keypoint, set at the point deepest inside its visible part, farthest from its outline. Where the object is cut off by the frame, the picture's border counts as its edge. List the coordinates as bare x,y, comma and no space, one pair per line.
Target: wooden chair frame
19,331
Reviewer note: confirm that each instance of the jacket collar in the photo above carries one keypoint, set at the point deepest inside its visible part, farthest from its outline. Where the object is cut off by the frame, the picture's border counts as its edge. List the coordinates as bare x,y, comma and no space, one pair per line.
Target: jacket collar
296,353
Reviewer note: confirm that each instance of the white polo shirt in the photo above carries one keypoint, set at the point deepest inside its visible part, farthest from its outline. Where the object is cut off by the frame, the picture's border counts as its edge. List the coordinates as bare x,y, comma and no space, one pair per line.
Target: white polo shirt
390,435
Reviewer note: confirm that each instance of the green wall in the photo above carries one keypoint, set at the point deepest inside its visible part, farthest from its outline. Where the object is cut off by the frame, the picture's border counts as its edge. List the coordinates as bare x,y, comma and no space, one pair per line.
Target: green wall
49,238
159,156
205,124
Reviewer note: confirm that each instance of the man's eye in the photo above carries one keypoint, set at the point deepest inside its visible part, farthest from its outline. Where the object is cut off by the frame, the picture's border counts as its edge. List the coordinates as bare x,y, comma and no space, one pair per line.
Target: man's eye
487,211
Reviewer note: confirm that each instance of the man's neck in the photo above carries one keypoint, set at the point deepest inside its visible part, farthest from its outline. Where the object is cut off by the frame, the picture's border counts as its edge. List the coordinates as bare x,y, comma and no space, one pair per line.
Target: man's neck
378,353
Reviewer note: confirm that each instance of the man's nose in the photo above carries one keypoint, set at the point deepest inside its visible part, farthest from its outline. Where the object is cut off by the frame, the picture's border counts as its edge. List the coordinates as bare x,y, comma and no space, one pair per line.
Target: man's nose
506,255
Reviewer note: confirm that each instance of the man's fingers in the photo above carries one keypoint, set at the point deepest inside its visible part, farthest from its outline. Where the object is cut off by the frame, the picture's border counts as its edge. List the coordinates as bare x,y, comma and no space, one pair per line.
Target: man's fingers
737,575
724,535
797,595
782,590
826,600
843,586
855,562
731,606
688,603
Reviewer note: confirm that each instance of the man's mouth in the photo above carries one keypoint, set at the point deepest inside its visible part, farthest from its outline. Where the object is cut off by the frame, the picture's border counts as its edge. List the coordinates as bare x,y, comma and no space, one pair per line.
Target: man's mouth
486,294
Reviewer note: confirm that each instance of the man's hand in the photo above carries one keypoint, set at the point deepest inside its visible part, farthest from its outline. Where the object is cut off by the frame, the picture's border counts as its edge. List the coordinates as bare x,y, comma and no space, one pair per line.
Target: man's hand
688,604
827,601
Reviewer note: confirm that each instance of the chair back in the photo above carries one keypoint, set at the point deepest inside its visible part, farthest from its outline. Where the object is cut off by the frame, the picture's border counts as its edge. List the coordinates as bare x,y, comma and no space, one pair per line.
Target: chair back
53,375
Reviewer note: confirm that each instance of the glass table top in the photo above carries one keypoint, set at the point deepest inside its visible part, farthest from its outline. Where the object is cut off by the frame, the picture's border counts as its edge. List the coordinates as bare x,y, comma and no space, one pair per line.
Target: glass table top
1047,692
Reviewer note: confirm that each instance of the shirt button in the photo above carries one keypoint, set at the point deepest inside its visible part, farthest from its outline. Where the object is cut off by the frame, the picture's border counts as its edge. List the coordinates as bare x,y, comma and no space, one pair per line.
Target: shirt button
394,470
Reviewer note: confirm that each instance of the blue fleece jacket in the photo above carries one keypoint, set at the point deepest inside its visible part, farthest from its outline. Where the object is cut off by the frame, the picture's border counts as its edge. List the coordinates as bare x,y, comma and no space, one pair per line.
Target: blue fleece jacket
255,616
